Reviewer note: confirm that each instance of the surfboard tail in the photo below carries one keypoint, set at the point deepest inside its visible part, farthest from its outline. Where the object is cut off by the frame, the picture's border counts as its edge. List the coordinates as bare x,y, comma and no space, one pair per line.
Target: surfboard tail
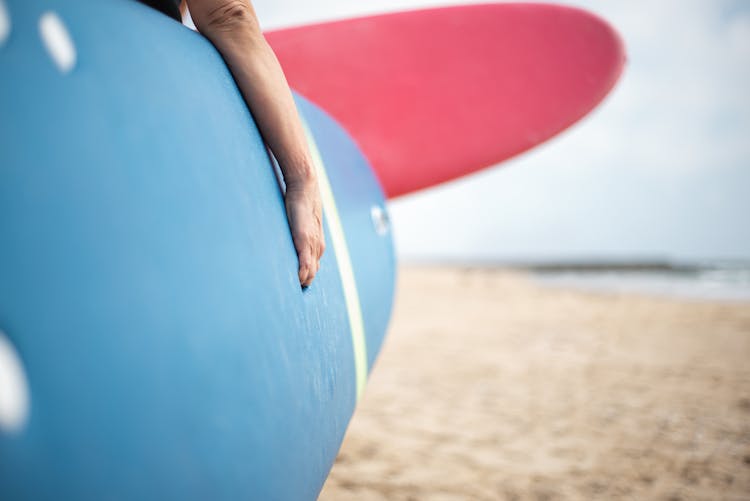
431,95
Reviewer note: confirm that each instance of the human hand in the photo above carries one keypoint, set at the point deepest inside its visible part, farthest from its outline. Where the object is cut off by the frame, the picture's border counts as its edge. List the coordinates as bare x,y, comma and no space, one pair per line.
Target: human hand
304,212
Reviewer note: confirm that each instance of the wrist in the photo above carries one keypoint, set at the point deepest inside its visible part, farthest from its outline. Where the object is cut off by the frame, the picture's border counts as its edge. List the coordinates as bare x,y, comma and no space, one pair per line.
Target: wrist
300,177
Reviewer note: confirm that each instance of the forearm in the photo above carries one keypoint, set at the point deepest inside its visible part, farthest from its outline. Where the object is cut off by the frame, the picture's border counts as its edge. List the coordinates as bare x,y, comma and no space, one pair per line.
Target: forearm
233,28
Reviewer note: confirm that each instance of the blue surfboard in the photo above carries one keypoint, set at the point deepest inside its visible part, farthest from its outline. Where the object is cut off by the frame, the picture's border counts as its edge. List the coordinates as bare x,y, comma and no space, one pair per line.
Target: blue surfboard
148,281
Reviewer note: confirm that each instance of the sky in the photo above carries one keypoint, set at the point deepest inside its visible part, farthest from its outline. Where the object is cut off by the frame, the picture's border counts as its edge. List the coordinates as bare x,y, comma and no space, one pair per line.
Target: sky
661,170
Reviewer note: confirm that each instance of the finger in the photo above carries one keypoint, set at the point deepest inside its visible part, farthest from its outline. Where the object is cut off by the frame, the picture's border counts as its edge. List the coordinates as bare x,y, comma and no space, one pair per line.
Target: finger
303,270
302,273
312,269
305,266
309,279
321,249
310,276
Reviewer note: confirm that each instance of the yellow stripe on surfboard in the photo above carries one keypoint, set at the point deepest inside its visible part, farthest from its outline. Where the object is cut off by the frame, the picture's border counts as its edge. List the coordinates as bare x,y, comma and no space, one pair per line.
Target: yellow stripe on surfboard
346,272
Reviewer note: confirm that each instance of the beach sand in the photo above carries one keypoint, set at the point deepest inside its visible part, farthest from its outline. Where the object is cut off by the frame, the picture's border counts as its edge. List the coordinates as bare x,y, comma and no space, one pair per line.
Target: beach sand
492,387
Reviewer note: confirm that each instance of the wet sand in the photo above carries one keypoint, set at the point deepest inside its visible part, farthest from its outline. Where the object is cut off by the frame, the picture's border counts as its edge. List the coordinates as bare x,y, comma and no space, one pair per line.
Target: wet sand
492,387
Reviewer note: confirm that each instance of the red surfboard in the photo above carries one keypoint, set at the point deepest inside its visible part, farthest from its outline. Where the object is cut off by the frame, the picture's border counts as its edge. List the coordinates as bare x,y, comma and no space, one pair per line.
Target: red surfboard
431,95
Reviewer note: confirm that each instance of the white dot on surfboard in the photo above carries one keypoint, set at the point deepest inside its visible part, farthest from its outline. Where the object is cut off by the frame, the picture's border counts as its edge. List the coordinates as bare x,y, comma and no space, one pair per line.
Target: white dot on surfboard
57,41
14,389
380,219
4,23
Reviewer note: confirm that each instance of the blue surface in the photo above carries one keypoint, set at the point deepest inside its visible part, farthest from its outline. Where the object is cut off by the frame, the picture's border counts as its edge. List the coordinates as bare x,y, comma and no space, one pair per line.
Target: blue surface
148,278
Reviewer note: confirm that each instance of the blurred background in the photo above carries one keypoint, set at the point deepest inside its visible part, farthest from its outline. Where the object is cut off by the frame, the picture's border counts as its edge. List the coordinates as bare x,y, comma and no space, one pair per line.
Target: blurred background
576,324
657,177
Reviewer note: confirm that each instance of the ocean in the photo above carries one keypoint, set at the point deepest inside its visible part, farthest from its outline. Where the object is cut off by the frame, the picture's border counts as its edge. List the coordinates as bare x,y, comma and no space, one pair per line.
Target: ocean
703,281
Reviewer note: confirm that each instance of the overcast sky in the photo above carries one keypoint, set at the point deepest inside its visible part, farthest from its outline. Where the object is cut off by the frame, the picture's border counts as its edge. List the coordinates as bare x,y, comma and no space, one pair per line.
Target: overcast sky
661,169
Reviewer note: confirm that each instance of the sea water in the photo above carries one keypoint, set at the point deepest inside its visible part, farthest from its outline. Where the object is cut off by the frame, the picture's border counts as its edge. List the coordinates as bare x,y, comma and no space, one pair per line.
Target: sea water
712,281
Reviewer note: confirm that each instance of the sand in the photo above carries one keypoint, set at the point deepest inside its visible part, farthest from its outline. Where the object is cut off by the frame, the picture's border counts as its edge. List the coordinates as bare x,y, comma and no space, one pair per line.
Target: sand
492,387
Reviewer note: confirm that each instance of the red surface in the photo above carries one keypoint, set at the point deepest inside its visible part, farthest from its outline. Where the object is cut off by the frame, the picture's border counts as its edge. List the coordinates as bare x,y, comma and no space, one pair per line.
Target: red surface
435,94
